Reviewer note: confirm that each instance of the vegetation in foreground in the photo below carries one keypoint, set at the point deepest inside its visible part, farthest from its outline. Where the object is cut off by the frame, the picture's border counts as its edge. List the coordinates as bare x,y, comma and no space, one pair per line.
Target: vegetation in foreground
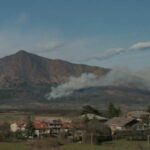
115,145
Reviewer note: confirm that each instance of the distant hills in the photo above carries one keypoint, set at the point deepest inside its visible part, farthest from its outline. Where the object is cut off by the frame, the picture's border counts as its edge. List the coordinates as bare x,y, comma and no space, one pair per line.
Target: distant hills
25,80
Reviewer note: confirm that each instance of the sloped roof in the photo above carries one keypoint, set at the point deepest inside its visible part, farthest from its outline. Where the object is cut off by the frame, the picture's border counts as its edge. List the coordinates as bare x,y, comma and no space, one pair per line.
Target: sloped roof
138,114
119,121
93,116
40,125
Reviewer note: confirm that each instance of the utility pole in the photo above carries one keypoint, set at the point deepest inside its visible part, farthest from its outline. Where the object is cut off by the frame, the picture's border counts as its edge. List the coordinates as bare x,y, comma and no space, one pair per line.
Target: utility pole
148,142
91,138
149,122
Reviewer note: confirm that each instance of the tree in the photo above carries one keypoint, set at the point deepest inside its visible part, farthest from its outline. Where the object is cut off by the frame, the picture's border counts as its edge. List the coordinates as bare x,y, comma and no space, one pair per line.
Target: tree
113,111
30,127
5,133
89,109
96,132
20,135
148,109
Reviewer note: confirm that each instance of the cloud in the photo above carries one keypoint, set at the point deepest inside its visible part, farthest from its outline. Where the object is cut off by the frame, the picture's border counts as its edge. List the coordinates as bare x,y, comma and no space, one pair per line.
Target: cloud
106,54
141,46
73,50
50,44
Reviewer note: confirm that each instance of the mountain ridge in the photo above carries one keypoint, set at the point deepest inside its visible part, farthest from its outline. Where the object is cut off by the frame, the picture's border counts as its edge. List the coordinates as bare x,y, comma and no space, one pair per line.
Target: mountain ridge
27,67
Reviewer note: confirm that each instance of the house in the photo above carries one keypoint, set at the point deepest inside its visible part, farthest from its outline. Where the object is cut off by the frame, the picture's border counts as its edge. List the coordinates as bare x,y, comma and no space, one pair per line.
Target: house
22,126
67,126
120,123
138,115
90,116
41,128
92,130
140,127
51,127
55,126
15,126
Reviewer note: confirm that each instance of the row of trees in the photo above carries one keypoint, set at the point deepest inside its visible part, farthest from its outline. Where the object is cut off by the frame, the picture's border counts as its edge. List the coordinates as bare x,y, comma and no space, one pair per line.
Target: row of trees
111,111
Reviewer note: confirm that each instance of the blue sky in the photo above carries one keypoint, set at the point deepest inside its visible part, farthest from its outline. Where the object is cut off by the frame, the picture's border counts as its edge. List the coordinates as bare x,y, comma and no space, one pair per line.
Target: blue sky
108,33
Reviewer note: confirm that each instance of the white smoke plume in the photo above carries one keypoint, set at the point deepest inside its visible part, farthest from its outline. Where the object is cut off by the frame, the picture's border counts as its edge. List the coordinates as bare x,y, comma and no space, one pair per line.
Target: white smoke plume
86,80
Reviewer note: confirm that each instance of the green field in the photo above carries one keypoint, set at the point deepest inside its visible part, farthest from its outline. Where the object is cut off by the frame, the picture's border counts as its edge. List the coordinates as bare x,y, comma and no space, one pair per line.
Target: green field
115,145
12,146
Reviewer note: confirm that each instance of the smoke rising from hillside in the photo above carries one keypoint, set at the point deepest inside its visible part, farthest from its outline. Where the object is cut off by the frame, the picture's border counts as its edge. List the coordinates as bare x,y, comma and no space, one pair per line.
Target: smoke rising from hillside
86,80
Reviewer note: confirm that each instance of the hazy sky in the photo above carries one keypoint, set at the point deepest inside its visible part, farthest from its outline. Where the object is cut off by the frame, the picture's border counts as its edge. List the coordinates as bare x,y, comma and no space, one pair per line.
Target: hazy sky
109,33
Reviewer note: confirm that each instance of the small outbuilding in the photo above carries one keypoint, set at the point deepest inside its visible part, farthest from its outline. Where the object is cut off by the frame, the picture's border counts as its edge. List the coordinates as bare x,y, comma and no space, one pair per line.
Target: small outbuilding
120,123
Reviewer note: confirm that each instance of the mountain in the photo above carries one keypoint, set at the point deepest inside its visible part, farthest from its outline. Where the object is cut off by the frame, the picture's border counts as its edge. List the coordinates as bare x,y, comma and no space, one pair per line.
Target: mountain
25,80
24,67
